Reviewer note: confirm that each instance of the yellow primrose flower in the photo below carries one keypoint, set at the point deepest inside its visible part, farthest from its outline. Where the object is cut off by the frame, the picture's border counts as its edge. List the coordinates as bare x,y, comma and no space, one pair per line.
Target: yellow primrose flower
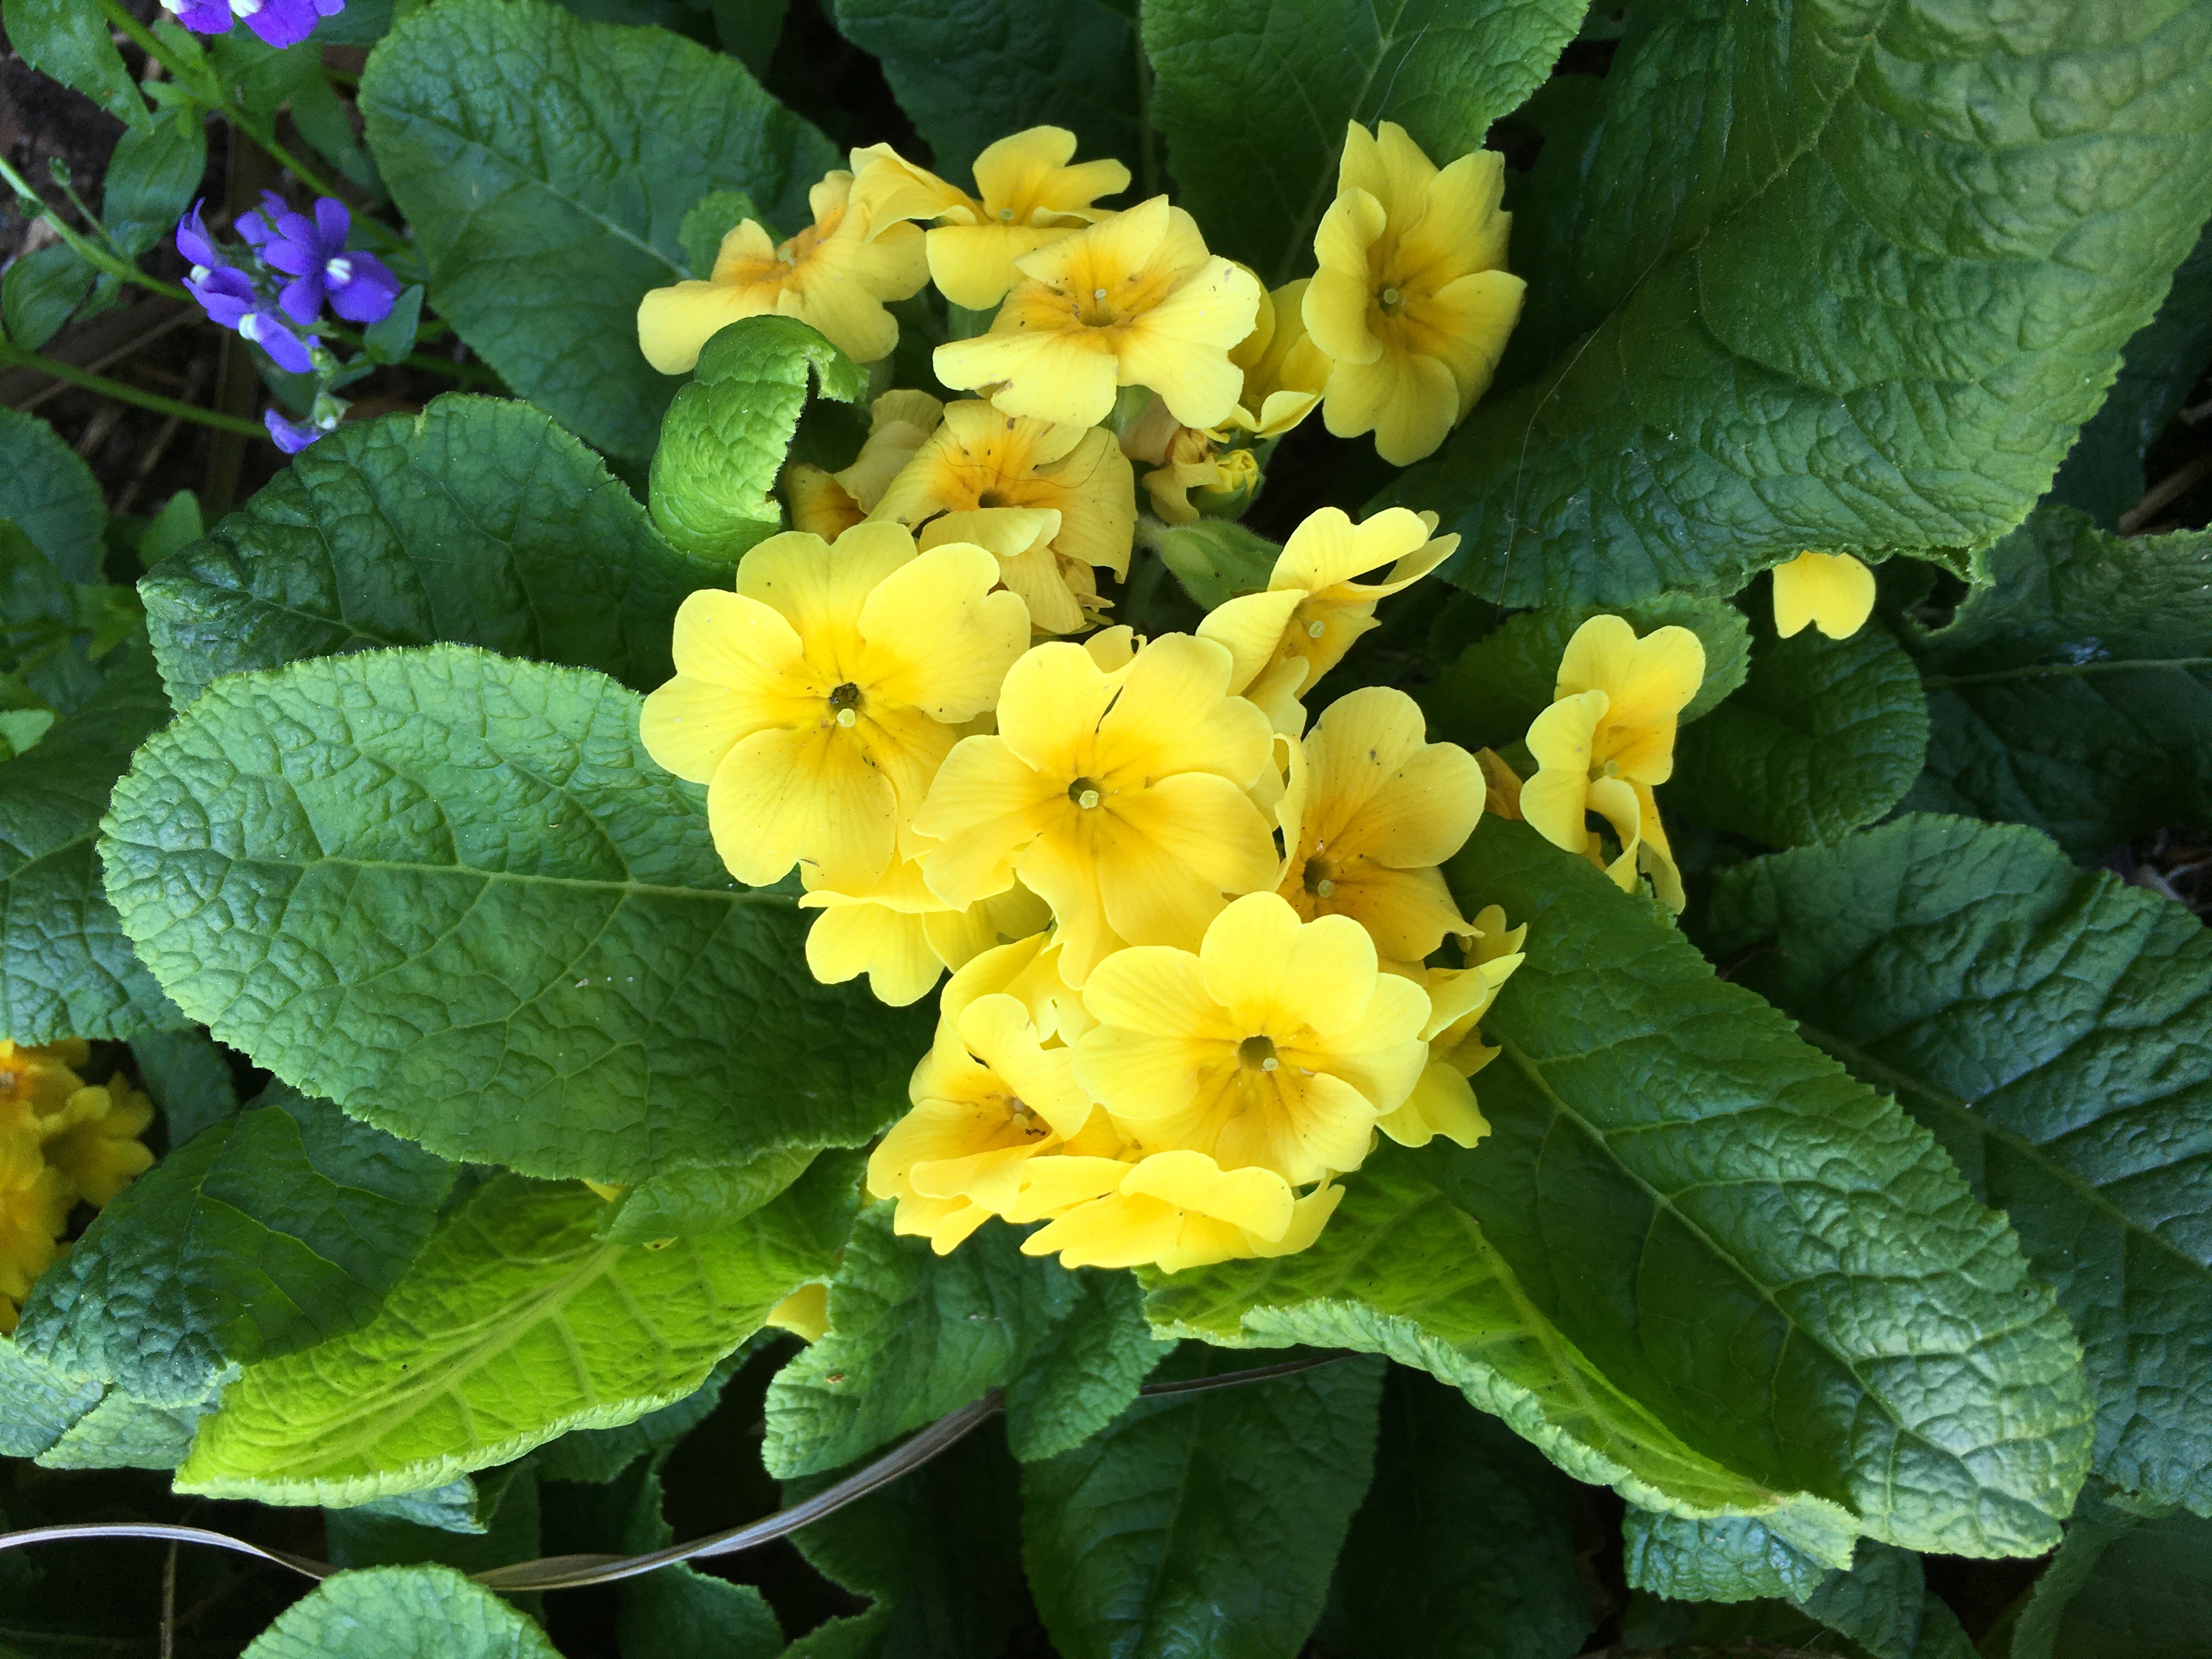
1441,1102
1285,371
1119,795
1029,196
1283,640
34,1205
980,458
986,1098
1372,809
834,276
1831,591
36,1082
902,936
1172,1210
805,1313
93,1141
1193,461
1134,300
1412,300
817,700
1608,739
1276,1045
1061,594
1027,969
827,504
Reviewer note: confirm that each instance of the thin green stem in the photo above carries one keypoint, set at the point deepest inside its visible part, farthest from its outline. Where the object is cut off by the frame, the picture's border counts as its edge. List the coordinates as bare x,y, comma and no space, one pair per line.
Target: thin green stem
16,356
146,41
90,251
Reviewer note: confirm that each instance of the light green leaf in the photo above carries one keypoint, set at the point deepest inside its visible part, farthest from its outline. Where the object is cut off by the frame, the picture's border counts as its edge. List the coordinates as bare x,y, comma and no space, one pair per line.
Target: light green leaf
1215,560
1202,1523
178,523
1253,96
274,1230
477,521
2075,693
153,177
725,437
188,1078
451,893
1824,736
513,1326
2054,1030
1502,682
545,165
400,1613
1465,1548
66,969
50,496
37,1403
970,72
70,41
39,289
913,1335
597,1455
1085,1370
1669,1160
708,220
703,1199
1852,279
2123,1588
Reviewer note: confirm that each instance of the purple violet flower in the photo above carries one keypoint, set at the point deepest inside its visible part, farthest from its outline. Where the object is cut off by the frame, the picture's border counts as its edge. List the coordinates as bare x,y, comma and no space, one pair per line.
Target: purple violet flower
201,16
266,329
313,253
291,436
224,292
253,225
278,22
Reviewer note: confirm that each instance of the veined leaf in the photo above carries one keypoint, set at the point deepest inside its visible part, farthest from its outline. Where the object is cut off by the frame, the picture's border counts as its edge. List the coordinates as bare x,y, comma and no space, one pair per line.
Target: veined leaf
513,1326
37,1403
1202,1523
601,1455
1772,1257
502,1526
2123,1586
1253,96
545,165
50,493
1846,275
703,1199
451,892
71,43
187,1077
2054,1030
272,1230
400,1613
122,1432
477,521
2075,693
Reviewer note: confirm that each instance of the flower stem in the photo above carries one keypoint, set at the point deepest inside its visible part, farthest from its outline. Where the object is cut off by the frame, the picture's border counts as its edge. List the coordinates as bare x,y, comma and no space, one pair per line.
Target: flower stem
17,357
90,251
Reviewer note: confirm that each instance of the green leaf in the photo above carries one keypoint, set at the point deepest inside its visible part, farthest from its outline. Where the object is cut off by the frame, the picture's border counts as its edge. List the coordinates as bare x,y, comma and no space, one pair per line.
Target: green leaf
1834,299
599,1455
178,523
1085,1370
707,221
913,1335
1502,682
1465,1548
122,1432
1824,736
39,289
70,41
2054,1031
678,1613
391,339
502,1528
705,1200
2123,1588
400,1613
66,969
1254,95
545,166
152,179
968,72
2075,693
466,1505
1205,1522
38,1402
513,1326
451,893
1216,560
1668,1160
50,494
725,436
478,521
189,1080
272,1231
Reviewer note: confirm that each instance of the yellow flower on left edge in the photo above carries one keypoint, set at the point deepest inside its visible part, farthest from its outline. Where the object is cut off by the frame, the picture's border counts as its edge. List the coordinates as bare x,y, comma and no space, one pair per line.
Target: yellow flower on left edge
817,701
834,276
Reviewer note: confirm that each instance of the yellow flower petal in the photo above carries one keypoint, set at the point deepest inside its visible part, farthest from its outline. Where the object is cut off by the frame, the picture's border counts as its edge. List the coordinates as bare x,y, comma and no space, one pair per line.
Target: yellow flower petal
805,1313
808,792
891,947
938,639
1441,1103
1832,590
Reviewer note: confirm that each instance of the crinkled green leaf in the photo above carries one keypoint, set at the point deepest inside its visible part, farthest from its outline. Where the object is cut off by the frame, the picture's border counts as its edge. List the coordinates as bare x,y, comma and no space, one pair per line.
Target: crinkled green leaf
38,1402
513,1326
600,1455
501,1529
401,1612
2054,1030
723,439
703,1199
153,177
188,1078
970,72
50,493
278,1229
123,1432
1824,736
70,41
2075,693
1771,1256
464,1505
545,165
39,289
477,520
1085,1370
1253,96
451,892
913,1335
66,969
1465,1548
1205,1523
1853,276
2123,1586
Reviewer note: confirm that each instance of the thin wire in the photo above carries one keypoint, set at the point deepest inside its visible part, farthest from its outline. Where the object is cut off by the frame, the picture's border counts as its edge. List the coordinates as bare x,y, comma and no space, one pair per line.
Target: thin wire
575,1571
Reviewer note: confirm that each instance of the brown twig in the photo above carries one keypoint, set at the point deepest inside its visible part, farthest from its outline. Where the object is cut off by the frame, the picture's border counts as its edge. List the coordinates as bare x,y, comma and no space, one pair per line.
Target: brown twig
2166,490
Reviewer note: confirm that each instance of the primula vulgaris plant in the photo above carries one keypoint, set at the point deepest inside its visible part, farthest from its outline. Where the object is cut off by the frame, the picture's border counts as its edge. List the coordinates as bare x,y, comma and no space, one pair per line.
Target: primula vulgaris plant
1284,808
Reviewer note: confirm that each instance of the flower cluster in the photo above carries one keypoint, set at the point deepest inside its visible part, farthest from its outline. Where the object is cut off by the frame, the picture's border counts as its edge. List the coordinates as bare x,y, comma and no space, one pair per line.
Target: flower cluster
278,22
63,1142
1203,954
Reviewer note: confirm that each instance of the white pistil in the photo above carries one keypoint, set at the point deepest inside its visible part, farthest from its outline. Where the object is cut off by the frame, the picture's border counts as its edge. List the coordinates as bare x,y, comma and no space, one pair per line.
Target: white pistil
338,270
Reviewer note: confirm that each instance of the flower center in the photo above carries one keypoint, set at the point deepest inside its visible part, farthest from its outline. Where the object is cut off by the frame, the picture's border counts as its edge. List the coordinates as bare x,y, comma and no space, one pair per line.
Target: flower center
1258,1053
1086,794
245,7
339,270
200,273
1096,313
1390,298
1321,877
1006,215
991,498
846,701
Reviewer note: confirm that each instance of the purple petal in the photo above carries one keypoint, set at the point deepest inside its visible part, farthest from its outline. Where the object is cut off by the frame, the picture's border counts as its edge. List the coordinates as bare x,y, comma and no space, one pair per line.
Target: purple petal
291,436
253,228
292,257
302,299
332,220
282,23
202,17
367,292
192,240
267,330
330,8
273,206
226,294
